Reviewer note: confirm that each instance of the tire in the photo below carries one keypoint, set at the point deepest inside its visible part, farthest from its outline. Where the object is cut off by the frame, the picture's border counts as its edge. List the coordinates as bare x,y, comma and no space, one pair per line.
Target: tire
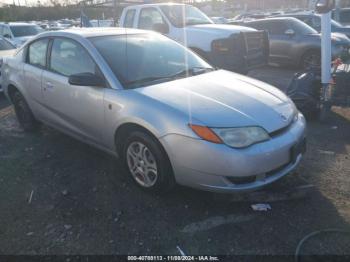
309,107
24,115
147,163
311,60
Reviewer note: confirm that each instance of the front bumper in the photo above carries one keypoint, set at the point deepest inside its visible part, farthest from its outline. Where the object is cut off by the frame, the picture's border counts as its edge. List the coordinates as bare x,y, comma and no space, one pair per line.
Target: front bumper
219,168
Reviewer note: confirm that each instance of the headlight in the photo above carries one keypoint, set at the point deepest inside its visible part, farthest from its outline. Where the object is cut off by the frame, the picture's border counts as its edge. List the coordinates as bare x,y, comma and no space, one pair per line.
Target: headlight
221,46
241,137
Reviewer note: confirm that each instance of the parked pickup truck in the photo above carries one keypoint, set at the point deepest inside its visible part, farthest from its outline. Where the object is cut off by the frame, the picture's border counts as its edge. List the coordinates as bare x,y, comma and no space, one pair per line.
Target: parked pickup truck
229,47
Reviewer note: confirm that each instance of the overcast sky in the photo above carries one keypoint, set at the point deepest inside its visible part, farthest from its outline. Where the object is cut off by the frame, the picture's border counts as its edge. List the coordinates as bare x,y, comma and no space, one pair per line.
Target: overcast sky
22,2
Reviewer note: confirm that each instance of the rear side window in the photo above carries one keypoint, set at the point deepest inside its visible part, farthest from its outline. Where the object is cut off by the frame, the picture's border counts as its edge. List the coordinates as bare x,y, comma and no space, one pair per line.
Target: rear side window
37,53
149,17
69,58
129,18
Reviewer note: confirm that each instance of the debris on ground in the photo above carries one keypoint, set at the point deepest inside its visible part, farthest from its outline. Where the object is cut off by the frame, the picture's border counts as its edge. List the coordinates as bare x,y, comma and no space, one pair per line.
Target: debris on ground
181,252
67,227
329,153
30,197
261,207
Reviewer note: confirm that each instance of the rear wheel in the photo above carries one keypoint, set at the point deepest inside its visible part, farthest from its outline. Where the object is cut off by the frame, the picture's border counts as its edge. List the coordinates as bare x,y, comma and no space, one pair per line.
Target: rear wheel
24,115
147,163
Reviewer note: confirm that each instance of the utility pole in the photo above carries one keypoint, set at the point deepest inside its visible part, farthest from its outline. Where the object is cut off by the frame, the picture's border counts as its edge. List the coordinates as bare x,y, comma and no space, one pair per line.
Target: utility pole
114,13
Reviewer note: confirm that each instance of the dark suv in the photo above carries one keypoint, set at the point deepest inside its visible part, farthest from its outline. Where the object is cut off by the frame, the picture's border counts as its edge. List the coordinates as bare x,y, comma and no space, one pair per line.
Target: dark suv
293,42
314,21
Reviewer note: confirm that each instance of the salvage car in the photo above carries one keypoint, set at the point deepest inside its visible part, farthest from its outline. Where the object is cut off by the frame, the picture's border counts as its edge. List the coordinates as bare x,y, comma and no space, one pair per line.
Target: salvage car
294,43
229,47
169,115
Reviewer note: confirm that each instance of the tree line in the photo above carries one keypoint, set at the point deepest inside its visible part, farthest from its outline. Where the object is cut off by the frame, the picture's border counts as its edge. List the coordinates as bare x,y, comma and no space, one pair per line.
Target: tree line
37,13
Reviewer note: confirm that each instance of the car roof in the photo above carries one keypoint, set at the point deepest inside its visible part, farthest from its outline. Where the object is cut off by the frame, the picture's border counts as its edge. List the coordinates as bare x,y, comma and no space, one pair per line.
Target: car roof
17,24
156,4
87,32
298,15
272,19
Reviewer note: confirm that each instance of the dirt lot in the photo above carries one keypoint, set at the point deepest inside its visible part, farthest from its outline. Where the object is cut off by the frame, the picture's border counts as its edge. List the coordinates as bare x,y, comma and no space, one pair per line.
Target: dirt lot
59,196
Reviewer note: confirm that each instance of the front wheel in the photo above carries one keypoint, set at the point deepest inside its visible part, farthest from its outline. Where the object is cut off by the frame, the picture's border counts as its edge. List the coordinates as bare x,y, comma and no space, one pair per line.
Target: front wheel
147,163
24,115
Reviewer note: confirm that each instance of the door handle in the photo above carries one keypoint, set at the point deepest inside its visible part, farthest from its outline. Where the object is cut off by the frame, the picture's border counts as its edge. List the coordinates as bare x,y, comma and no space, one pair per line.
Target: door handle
49,85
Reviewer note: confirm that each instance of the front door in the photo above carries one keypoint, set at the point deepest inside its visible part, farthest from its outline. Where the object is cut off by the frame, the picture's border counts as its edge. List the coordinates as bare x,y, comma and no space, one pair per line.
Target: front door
76,109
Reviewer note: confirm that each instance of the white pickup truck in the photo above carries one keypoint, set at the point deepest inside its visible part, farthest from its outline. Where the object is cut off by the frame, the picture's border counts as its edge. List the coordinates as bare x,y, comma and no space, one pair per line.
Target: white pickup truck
230,47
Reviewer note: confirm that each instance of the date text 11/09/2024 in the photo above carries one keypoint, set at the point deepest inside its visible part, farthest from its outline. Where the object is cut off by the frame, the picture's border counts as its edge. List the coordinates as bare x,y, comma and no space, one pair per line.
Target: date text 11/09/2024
173,258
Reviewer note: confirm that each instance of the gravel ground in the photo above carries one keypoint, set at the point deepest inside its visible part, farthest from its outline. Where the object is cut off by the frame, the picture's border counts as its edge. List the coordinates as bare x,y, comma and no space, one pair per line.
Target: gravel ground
59,196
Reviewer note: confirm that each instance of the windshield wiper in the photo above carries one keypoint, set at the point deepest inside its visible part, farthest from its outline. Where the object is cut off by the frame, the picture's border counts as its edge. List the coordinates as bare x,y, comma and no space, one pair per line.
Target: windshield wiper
187,72
146,80
193,71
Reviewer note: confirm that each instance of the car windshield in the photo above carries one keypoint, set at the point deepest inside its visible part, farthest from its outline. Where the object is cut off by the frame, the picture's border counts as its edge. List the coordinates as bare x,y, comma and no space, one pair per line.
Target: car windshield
302,28
5,45
25,30
145,59
182,15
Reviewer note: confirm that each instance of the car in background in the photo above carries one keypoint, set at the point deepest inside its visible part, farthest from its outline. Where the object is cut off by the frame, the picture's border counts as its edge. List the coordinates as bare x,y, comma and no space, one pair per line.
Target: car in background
343,17
6,49
314,20
249,16
219,20
19,33
169,115
234,48
294,43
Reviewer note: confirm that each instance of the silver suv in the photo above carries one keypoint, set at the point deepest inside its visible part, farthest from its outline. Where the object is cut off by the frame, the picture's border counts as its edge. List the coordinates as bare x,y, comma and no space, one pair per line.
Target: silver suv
19,33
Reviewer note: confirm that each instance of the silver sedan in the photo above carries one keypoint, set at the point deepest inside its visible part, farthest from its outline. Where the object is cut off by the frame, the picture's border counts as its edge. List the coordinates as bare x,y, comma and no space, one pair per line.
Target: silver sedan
170,116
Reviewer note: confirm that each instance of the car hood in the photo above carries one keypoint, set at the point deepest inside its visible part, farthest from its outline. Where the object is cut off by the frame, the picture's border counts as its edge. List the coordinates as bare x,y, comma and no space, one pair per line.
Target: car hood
225,99
218,29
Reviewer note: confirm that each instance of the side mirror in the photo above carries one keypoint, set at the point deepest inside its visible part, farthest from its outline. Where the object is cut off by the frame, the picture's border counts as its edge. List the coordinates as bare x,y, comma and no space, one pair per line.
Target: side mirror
7,36
161,28
86,79
324,6
290,32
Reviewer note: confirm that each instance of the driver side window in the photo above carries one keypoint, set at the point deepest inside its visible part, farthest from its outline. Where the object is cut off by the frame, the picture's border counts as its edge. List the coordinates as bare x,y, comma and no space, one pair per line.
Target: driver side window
149,17
69,58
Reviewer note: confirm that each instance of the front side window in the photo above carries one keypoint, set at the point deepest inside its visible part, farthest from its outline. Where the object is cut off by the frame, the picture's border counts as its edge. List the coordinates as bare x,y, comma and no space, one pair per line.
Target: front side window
37,53
145,59
25,30
69,58
301,28
277,27
129,18
183,15
150,17
7,32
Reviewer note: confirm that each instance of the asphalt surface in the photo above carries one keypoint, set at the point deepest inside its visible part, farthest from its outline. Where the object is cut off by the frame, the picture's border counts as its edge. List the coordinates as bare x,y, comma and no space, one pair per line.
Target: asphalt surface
59,196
